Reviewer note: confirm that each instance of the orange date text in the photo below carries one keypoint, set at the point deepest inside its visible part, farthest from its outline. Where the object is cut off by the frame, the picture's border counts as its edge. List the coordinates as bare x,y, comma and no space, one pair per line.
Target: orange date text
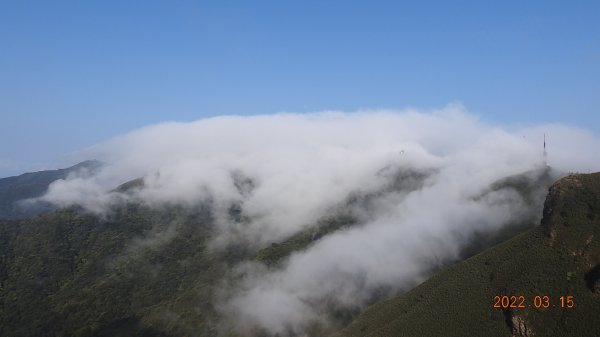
538,302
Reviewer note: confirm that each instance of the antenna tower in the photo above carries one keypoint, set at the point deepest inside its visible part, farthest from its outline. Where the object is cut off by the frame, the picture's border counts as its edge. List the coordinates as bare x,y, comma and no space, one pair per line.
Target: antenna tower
545,153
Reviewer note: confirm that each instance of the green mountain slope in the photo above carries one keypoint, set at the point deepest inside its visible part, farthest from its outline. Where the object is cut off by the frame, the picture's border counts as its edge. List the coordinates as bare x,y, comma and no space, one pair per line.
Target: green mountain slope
560,258
33,185
66,273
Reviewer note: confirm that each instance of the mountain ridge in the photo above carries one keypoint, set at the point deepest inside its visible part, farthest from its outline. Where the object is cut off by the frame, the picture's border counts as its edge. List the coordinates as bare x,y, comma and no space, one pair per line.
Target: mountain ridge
139,270
16,189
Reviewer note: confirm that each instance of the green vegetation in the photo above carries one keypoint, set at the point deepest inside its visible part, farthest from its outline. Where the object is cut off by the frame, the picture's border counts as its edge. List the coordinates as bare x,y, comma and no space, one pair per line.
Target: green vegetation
66,273
139,271
131,185
275,253
559,258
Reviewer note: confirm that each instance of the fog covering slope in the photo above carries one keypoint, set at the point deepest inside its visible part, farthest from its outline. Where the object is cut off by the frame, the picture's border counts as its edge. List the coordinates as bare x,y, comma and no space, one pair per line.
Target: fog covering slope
313,216
141,270
559,258
16,192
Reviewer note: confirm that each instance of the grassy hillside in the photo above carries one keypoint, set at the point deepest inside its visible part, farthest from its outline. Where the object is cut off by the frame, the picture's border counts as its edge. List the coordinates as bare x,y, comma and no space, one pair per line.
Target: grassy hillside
559,258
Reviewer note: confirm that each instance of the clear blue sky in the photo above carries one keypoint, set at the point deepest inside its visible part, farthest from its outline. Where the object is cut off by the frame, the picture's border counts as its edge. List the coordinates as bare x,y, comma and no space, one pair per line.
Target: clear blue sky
73,73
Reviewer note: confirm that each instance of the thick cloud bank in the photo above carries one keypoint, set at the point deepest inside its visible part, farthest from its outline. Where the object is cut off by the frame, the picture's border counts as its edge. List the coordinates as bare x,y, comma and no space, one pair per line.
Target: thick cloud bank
286,171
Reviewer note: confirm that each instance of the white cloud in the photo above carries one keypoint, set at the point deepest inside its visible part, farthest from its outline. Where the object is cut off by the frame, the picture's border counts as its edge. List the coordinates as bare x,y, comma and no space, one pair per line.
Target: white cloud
302,165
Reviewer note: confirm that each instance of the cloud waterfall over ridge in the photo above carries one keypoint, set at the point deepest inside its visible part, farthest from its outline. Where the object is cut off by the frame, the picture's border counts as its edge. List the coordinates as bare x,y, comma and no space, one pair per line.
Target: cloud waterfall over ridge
297,167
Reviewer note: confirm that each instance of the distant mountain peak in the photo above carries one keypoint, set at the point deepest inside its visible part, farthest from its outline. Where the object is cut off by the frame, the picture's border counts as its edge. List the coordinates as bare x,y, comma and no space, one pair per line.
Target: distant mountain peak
34,184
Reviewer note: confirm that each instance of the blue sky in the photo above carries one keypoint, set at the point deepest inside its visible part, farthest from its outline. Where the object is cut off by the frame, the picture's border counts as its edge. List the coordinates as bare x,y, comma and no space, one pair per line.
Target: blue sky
73,73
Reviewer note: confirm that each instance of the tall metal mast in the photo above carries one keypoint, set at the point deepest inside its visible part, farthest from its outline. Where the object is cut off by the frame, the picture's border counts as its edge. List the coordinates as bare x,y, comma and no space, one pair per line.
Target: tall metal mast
545,153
